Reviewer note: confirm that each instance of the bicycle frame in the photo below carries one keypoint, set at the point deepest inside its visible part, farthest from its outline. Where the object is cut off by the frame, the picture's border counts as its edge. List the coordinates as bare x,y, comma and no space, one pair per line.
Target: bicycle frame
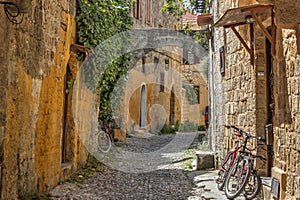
108,127
227,164
229,155
237,149
241,166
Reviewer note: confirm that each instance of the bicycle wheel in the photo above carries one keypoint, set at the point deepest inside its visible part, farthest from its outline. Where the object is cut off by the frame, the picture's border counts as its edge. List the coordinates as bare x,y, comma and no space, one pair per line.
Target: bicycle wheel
253,186
104,142
237,178
222,174
221,179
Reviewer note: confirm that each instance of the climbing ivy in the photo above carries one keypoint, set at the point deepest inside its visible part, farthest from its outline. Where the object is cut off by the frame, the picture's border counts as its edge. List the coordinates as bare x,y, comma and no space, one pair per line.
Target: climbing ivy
98,20
190,93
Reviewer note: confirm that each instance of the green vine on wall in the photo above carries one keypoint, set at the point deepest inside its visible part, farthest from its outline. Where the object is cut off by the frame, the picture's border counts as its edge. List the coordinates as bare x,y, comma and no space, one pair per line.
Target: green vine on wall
190,93
98,20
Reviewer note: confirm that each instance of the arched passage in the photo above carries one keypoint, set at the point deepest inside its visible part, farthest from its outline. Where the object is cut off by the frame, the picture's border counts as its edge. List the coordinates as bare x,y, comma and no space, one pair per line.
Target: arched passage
103,55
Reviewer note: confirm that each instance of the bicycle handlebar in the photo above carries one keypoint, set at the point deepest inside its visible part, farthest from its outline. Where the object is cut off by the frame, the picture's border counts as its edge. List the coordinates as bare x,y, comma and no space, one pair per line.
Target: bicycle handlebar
246,133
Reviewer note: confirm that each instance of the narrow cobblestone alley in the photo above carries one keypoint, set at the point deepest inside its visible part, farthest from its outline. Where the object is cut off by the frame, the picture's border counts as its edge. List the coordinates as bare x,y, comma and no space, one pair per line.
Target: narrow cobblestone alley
169,183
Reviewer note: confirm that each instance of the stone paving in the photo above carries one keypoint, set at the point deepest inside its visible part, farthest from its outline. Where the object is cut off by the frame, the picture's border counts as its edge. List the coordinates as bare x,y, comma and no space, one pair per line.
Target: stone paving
168,182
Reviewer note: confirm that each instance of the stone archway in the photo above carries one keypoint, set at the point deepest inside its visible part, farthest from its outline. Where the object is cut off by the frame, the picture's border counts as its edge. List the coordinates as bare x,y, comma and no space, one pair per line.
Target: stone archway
103,55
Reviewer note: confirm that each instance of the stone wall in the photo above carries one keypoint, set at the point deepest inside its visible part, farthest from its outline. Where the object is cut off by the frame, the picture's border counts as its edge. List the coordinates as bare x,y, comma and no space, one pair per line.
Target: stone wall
157,102
34,57
216,104
157,18
238,94
152,77
245,89
286,132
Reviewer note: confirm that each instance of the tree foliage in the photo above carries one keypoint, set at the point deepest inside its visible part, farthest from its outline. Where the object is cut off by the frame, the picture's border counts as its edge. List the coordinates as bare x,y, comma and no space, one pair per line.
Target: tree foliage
98,20
178,8
175,8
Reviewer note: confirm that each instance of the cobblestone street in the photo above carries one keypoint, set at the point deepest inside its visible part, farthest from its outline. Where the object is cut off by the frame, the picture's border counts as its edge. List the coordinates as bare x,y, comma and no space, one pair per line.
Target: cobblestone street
169,183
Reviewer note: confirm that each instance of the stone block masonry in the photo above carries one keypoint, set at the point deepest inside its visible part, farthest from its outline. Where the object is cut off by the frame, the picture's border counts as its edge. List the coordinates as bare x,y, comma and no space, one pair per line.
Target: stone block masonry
34,56
286,144
266,92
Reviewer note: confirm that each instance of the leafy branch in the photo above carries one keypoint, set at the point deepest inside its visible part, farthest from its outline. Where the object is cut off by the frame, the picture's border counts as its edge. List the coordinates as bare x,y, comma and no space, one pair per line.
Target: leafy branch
96,22
178,8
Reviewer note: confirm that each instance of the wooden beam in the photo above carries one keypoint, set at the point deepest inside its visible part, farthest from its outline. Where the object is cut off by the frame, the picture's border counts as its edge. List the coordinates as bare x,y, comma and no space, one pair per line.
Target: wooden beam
81,48
258,8
241,39
236,24
263,28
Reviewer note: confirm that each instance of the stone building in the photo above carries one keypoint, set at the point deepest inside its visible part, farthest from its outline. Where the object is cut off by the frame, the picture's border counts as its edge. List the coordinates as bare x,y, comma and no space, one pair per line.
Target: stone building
38,142
154,94
254,84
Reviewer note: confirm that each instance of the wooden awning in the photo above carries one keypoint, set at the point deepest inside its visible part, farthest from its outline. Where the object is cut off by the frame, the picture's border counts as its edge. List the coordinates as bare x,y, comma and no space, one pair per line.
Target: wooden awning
247,15
237,16
204,19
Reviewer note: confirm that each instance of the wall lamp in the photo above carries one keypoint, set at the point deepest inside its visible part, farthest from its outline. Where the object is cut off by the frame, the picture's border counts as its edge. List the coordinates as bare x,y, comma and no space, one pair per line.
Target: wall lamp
249,19
12,12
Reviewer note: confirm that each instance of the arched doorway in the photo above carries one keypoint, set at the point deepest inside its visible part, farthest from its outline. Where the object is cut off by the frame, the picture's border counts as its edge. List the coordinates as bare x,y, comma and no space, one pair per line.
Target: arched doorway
143,107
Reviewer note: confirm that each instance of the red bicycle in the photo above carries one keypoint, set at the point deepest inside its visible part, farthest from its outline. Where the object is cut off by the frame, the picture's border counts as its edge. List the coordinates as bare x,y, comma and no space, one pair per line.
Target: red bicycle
237,175
228,163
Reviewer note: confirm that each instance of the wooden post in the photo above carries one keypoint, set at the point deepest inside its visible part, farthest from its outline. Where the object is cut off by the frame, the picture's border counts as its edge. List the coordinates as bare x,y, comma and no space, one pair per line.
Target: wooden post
263,28
252,44
241,39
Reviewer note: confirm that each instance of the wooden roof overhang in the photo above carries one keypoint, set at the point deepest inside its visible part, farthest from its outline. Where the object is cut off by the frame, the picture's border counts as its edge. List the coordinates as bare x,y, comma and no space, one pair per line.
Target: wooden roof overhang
247,15
204,19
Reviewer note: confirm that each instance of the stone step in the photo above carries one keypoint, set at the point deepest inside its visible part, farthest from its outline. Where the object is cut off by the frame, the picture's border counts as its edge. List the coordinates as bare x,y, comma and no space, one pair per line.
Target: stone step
204,160
139,132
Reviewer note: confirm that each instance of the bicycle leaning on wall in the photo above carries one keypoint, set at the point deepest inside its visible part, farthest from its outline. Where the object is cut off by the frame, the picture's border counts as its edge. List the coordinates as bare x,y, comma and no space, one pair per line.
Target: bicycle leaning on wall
237,174
106,135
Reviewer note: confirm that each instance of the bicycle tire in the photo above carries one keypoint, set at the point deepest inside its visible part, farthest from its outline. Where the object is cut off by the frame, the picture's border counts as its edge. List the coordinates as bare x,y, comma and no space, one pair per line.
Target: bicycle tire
241,172
223,172
104,141
253,186
221,179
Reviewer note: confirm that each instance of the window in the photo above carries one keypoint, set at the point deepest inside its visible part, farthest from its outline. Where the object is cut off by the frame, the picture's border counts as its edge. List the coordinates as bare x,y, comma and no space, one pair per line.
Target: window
148,11
143,64
137,9
222,59
156,61
162,81
189,58
167,64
